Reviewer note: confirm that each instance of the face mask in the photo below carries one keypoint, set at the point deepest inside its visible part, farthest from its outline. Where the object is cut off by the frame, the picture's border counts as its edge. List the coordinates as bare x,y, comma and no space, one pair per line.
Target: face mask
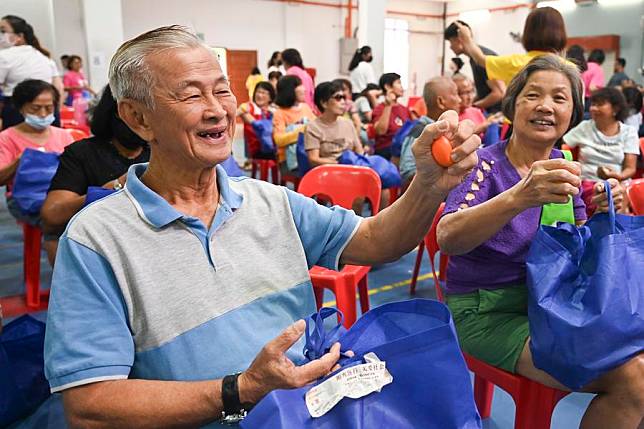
35,121
125,136
6,41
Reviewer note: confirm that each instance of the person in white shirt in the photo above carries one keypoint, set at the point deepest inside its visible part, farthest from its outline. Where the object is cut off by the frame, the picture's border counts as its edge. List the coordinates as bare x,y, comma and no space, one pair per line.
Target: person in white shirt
21,57
361,70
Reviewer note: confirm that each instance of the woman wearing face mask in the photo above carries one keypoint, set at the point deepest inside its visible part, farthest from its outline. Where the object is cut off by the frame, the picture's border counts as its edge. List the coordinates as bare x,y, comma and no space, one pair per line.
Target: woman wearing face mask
21,58
35,100
361,70
101,160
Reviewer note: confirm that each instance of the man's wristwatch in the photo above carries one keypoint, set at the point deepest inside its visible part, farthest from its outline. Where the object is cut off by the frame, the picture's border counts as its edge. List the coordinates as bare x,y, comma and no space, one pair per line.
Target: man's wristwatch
234,410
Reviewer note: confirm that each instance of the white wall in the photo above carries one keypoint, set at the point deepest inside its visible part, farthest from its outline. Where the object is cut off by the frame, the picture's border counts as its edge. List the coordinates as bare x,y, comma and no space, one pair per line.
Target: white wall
261,25
69,30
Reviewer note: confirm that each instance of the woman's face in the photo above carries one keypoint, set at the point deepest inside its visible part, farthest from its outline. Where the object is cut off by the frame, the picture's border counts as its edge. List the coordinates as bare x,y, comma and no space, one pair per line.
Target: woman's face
544,107
336,104
300,94
76,64
12,39
465,92
42,105
262,97
602,110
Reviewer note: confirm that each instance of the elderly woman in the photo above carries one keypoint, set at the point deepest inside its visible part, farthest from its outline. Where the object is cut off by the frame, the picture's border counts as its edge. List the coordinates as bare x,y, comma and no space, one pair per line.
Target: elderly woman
36,101
490,220
607,147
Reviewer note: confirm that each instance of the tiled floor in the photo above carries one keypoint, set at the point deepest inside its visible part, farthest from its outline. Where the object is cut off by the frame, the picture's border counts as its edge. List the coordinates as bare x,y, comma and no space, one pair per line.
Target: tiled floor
387,283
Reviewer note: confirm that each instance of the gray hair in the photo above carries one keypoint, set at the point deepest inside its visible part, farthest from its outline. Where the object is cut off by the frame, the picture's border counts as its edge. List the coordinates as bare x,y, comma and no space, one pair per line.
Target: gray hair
548,62
129,74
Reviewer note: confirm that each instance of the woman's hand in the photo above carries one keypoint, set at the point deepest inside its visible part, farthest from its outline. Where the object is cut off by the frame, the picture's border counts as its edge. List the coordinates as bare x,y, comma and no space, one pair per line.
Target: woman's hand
390,98
600,198
606,173
549,181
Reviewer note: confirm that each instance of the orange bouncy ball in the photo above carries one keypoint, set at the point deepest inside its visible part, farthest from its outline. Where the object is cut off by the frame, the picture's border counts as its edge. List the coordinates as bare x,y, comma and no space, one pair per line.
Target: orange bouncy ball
442,151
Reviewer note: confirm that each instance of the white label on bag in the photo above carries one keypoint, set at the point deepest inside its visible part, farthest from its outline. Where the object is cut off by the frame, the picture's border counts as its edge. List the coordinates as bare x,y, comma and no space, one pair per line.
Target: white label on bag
353,382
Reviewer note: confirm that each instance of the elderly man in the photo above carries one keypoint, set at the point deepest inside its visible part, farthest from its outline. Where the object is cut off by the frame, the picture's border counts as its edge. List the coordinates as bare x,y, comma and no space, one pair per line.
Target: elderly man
440,95
165,291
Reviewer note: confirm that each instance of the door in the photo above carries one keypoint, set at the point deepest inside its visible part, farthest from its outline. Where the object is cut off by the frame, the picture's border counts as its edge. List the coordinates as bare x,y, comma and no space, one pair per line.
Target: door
240,64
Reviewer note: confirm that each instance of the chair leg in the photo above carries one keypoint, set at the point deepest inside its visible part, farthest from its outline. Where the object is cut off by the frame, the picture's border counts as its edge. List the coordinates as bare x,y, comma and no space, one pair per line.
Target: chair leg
263,171
319,296
32,244
363,292
535,406
483,394
414,276
253,170
345,295
274,175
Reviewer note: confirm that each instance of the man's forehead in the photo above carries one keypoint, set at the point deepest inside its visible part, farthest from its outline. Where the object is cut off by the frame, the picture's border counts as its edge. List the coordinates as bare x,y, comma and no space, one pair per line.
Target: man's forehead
181,67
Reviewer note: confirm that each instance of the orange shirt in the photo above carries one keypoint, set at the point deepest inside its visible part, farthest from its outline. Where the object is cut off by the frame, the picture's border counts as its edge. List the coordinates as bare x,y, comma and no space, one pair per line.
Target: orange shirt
288,123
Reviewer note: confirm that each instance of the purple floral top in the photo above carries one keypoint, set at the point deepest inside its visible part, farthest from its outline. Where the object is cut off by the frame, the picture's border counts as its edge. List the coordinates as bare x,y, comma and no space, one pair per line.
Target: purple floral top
500,261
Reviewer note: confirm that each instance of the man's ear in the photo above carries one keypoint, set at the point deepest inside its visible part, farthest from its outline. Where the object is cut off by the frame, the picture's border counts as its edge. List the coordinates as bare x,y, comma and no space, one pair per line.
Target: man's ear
136,116
440,103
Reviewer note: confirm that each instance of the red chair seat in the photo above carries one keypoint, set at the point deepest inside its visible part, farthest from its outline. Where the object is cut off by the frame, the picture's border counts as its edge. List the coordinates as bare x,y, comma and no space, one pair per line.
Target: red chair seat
344,284
264,166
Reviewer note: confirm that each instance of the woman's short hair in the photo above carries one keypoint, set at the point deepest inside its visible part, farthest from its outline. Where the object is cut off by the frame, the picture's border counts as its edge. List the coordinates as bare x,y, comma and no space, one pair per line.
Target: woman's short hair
286,90
344,83
596,56
28,90
324,91
274,75
266,86
388,79
292,57
575,54
547,62
614,97
544,30
70,60
458,63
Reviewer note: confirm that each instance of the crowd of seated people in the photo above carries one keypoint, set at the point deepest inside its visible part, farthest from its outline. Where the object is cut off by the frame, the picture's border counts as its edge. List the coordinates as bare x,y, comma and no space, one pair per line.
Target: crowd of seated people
169,165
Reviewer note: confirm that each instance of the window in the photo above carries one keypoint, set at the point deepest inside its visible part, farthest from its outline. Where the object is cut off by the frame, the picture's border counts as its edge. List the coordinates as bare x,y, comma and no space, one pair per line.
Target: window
396,55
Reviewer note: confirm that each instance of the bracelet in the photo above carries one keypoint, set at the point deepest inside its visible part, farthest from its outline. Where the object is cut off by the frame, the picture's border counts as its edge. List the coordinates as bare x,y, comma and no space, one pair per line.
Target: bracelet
234,410
117,185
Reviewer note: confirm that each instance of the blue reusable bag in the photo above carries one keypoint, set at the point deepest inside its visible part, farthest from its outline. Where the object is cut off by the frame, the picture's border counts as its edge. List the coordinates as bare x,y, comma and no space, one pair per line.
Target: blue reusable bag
32,179
95,193
586,296
303,164
431,386
389,174
399,137
264,131
23,386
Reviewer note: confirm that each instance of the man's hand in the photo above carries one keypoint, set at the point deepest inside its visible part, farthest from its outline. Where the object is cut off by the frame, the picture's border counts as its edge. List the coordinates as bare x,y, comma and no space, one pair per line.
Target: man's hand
272,370
549,181
600,198
464,142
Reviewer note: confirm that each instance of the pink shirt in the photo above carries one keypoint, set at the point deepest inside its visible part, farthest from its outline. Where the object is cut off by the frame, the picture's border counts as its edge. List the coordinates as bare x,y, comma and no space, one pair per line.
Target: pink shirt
307,81
13,143
594,75
74,78
473,114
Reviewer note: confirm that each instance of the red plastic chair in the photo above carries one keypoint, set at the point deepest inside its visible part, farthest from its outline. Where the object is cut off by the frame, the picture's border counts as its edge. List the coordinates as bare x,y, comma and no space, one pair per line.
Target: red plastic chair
341,185
430,243
67,113
34,299
78,134
635,192
534,402
264,166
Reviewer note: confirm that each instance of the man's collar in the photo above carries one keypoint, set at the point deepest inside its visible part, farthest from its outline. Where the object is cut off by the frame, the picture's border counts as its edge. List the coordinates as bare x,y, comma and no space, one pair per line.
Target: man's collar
156,211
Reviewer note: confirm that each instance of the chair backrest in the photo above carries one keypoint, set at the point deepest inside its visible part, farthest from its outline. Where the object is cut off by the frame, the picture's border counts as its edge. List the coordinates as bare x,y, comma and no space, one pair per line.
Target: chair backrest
431,243
77,134
66,113
342,184
635,193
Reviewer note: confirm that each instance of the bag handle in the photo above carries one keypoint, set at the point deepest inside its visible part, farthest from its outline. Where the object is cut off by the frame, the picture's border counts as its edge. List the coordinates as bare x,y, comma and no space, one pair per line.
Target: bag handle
611,206
319,341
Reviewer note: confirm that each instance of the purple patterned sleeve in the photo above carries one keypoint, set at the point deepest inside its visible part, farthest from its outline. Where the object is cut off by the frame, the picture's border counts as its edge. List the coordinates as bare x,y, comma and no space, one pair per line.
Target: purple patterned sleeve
475,189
